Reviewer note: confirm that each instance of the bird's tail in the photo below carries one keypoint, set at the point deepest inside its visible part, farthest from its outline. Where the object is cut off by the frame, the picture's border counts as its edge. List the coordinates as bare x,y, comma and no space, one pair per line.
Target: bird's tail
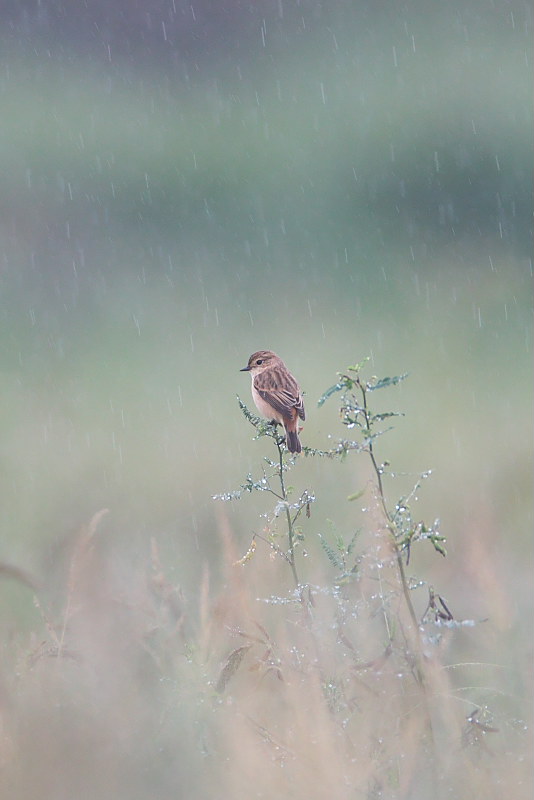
293,442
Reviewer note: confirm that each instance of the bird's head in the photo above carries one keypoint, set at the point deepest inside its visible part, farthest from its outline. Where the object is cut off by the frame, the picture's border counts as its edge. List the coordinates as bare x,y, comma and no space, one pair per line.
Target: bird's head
260,361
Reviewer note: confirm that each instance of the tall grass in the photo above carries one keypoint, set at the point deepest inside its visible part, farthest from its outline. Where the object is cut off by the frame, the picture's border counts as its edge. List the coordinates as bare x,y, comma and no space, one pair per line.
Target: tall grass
309,672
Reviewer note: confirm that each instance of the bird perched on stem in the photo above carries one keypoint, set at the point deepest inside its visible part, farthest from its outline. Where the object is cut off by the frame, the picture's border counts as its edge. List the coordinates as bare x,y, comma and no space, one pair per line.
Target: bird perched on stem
276,394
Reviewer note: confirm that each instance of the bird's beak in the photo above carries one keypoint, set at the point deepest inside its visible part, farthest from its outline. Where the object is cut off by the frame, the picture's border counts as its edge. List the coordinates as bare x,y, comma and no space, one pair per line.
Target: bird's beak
245,369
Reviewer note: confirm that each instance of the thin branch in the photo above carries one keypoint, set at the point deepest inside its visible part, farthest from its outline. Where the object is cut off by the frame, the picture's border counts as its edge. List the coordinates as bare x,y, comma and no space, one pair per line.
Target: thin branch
389,521
290,531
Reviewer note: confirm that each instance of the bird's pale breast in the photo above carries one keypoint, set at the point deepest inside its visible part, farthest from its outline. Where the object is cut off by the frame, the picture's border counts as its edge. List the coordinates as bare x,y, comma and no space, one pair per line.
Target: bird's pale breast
265,409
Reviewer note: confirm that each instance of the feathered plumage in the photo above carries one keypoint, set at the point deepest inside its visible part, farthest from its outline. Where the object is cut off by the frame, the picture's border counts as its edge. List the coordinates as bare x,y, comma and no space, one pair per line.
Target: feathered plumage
276,394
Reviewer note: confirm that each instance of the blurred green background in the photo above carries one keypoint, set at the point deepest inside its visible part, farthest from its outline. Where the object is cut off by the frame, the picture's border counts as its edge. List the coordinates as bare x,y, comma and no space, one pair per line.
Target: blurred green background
184,184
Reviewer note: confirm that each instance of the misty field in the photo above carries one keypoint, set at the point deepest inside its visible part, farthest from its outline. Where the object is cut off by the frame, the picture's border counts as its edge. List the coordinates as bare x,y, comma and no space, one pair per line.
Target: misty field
187,610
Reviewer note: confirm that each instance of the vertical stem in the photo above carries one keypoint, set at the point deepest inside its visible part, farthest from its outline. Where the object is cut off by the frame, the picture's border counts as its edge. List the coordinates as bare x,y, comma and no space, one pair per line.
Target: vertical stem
424,673
391,528
290,531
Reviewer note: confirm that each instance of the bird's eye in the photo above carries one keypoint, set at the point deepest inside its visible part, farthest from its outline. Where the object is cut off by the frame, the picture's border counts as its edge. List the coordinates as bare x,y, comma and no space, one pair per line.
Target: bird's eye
259,361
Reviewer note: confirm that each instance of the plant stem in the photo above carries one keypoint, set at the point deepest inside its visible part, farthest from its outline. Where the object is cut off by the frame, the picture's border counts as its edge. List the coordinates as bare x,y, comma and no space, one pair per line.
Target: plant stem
391,528
290,531
424,673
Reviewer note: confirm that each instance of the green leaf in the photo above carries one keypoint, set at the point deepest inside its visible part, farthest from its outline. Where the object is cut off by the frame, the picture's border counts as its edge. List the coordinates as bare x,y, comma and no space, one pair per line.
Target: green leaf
358,367
383,382
436,541
252,418
385,415
351,545
331,553
356,495
338,387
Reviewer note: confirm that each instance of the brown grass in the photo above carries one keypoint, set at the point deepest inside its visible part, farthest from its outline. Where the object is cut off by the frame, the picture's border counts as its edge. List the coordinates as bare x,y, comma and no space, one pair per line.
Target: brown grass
128,690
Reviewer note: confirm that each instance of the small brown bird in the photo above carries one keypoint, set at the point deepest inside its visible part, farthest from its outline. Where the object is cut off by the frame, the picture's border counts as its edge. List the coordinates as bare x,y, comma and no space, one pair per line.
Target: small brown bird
276,394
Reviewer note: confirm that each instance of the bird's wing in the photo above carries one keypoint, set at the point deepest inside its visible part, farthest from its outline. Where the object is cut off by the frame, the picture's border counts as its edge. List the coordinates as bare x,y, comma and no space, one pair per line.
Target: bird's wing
299,405
282,398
